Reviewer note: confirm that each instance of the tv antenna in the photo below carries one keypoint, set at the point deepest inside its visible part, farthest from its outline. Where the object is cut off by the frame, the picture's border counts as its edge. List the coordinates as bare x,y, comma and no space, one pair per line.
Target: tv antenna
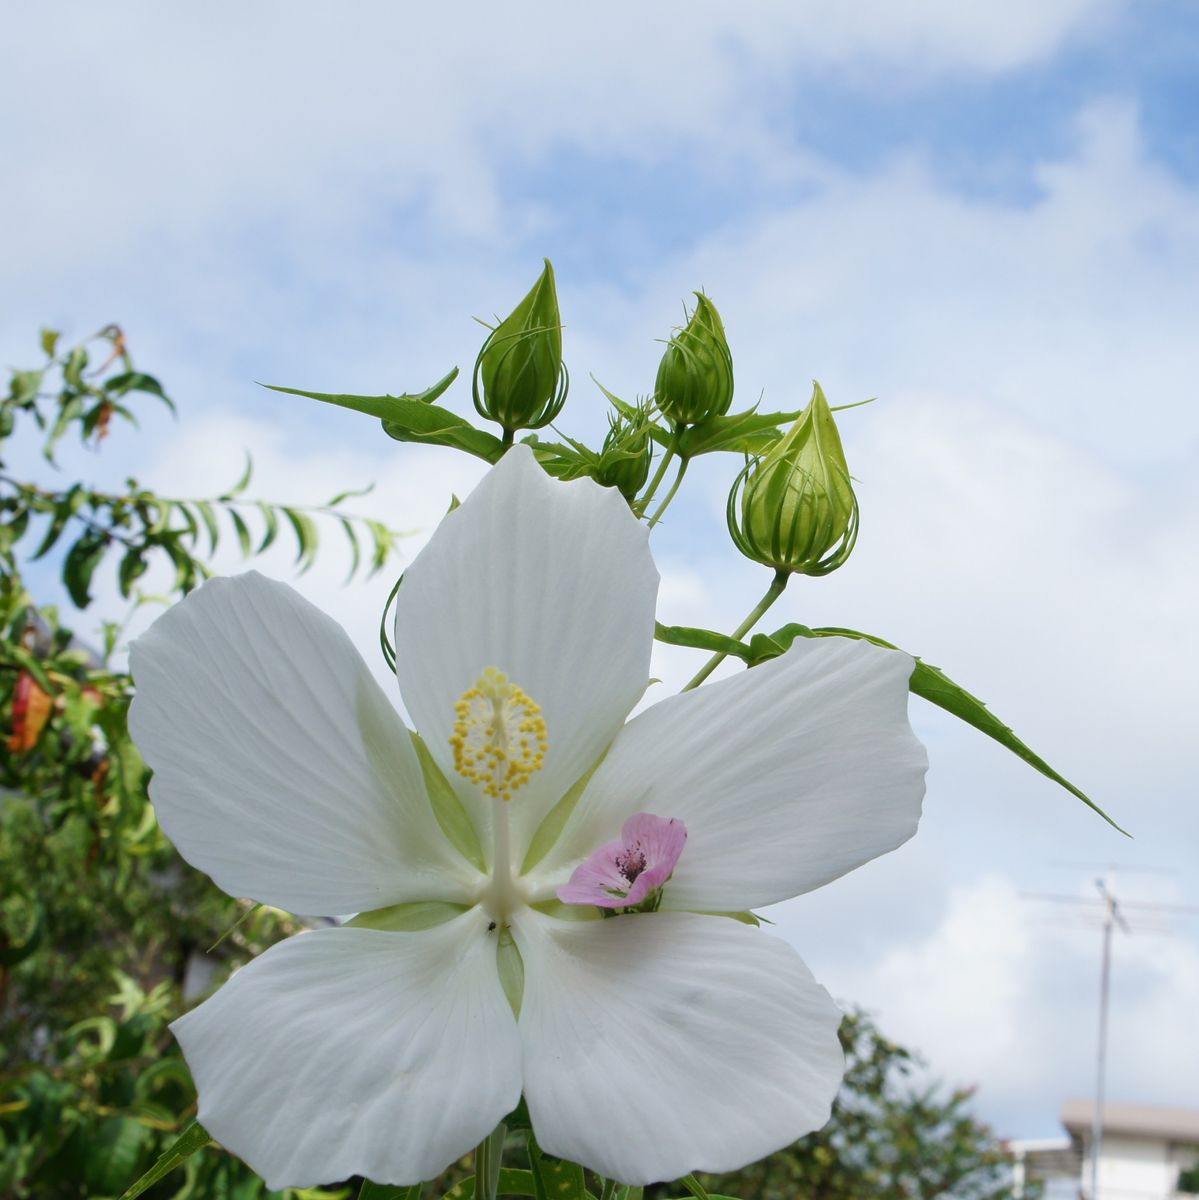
1112,917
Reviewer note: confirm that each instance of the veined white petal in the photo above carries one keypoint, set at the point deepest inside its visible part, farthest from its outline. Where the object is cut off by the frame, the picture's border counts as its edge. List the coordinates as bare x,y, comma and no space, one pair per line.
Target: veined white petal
786,776
280,767
353,1051
551,583
662,1043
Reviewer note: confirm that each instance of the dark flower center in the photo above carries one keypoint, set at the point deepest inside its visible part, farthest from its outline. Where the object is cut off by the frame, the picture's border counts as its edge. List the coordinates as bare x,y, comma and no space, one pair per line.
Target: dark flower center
631,862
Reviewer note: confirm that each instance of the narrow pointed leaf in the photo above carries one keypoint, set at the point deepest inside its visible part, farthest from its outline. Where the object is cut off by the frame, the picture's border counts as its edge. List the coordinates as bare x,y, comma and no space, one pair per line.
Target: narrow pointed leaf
936,687
194,1137
386,408
702,639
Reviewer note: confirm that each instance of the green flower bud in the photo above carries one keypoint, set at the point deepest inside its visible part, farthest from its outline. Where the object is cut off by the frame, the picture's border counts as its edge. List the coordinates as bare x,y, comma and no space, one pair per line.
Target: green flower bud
695,376
520,380
626,456
794,509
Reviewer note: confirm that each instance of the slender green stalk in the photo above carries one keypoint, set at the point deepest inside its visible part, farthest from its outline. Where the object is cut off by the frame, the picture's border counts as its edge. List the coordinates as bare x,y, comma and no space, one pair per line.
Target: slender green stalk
663,463
488,1158
609,1190
773,592
674,487
506,437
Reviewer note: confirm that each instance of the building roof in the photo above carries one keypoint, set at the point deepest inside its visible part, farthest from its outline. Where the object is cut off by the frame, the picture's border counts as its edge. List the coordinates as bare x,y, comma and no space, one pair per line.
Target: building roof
1134,1120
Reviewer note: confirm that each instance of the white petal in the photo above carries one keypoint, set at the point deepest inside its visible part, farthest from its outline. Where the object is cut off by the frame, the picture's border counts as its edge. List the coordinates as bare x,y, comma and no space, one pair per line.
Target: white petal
355,1052
786,776
280,768
549,582
664,1043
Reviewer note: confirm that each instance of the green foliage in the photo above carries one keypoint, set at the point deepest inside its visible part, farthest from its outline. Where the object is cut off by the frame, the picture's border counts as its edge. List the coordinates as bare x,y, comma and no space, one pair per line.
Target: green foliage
100,919
136,527
892,1136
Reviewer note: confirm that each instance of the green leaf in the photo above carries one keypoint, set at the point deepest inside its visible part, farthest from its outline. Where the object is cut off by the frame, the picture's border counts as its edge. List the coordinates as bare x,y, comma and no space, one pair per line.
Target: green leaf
242,483
307,536
70,503
574,461
555,1178
243,532
271,522
49,341
72,370
133,567
935,686
355,551
513,1182
750,432
137,381
113,1150
429,424
382,1191
80,565
194,1137
208,516
386,408
700,639
415,418
23,386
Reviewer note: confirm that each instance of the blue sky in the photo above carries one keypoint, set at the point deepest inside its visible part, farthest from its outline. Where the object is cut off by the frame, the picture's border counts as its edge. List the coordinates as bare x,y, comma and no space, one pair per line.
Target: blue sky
986,217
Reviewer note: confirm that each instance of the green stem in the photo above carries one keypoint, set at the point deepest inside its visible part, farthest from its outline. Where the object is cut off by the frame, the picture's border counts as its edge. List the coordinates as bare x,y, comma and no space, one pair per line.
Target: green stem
488,1158
674,487
609,1190
663,463
507,437
773,592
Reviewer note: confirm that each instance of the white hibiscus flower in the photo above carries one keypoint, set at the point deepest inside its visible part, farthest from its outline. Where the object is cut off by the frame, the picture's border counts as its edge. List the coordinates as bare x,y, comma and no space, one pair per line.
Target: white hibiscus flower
646,1046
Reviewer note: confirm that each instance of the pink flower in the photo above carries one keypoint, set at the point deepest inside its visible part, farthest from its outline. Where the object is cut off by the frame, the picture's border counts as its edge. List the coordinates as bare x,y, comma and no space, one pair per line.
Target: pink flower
625,872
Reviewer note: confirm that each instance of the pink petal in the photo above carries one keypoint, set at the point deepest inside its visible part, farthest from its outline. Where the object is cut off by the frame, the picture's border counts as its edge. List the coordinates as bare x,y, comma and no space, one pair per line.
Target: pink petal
622,873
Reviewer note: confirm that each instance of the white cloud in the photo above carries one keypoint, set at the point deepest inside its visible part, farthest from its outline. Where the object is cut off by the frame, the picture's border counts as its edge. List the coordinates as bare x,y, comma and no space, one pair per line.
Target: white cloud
1003,991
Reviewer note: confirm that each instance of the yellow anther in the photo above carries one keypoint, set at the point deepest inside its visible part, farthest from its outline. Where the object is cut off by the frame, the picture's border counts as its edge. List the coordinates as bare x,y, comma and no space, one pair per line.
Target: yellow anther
499,736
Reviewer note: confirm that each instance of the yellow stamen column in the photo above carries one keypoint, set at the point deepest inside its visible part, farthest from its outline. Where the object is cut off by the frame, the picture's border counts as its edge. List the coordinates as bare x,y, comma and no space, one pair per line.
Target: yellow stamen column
499,741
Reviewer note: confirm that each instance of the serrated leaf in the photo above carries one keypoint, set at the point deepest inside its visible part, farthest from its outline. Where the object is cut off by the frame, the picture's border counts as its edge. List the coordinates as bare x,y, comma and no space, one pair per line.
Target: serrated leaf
386,408
935,686
193,1138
